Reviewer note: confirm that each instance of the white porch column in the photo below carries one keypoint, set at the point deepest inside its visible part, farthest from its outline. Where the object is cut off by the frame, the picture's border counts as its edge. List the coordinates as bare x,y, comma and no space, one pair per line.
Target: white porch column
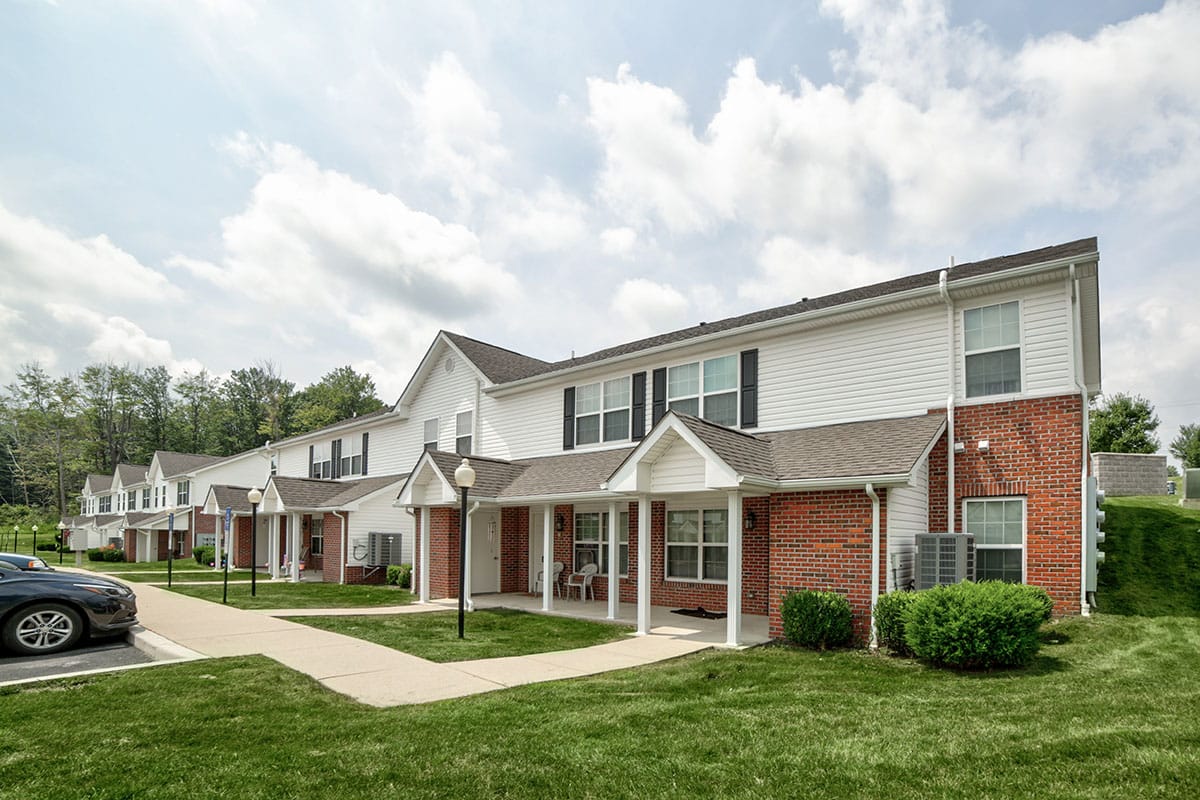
733,604
295,537
547,558
423,577
467,566
273,554
643,580
614,564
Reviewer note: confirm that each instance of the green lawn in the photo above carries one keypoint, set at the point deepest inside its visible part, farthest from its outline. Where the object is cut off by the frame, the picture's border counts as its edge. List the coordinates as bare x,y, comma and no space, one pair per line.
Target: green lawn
1152,558
1108,711
183,576
489,633
136,566
302,595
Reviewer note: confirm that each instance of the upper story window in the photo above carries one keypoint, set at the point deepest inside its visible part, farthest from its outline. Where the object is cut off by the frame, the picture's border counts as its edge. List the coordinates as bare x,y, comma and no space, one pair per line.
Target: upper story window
131,500
352,455
161,499
999,528
183,491
463,425
705,389
106,504
698,544
602,411
274,463
322,461
431,434
992,346
146,499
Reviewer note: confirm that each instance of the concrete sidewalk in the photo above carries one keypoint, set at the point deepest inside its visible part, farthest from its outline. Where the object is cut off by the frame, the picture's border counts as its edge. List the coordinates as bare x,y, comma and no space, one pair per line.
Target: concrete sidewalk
374,674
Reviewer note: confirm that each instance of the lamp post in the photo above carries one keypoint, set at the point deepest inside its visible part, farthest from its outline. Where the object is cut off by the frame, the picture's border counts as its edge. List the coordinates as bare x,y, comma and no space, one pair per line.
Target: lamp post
15,529
464,476
255,497
62,540
34,551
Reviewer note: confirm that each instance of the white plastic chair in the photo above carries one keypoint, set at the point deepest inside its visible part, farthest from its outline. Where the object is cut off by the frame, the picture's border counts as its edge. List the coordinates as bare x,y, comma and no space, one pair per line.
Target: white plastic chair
558,568
582,580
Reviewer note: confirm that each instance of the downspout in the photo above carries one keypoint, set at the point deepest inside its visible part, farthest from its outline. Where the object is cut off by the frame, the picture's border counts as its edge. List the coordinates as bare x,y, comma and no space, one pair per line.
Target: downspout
470,513
345,538
944,291
870,487
1077,342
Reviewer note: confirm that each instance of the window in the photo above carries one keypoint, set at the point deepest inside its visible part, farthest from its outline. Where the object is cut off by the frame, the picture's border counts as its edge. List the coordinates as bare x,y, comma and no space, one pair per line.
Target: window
431,434
274,463
698,544
591,541
322,461
463,425
162,497
999,528
106,504
316,529
182,490
992,343
131,500
351,451
711,395
146,499
602,411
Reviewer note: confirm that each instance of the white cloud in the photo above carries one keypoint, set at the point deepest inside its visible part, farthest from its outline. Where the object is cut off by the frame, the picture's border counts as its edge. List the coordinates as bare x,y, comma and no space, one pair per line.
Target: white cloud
645,307
113,338
618,241
545,221
790,270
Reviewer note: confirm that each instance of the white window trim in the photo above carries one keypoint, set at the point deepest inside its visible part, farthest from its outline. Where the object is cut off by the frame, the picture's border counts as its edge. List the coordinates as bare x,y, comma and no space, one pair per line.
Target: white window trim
470,434
700,546
702,395
425,440
1024,531
322,455
313,523
962,320
604,535
349,443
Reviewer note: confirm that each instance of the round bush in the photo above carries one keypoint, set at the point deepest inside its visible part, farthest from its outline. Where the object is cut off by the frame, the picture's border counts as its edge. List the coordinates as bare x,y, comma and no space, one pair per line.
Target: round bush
816,619
889,621
204,554
976,625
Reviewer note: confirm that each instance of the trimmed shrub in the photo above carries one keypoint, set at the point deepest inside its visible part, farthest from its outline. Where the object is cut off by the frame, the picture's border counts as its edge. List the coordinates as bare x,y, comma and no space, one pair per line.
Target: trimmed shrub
204,554
95,554
113,554
816,619
50,547
974,626
400,575
889,621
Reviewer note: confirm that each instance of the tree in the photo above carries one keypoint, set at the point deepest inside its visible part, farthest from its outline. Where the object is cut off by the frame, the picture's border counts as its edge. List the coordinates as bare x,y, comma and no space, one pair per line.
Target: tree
339,395
110,407
1124,424
1186,446
155,406
199,416
40,438
259,407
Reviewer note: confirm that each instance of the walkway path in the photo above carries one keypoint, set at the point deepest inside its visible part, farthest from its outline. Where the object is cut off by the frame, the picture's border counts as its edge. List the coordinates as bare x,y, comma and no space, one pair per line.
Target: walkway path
374,674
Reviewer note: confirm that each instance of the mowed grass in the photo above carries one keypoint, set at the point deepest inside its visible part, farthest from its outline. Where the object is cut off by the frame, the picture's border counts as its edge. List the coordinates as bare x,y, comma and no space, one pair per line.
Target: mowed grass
1107,711
184,576
488,633
1152,558
271,594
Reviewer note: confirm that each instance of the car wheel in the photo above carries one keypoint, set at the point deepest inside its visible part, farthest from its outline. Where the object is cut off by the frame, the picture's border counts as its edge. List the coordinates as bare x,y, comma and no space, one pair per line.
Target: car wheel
42,629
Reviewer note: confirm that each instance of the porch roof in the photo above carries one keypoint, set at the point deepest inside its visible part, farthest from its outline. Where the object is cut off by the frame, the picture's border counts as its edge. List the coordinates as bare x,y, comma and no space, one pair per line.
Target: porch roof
876,447
223,496
313,494
135,519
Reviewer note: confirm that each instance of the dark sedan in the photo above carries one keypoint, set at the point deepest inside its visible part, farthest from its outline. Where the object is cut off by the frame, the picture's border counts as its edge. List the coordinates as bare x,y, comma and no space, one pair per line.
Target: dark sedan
43,612
23,561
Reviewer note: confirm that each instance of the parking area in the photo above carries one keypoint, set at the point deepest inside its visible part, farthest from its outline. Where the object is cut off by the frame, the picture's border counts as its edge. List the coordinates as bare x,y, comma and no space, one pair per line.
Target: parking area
88,655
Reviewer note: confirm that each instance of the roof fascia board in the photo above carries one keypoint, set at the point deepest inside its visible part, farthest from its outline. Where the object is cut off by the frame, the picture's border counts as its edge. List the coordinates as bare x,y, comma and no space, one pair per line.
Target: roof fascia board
404,498
340,427
428,362
821,313
840,482
717,473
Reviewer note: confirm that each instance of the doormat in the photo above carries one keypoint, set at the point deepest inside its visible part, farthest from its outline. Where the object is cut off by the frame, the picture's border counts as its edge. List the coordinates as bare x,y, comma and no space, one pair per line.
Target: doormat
699,611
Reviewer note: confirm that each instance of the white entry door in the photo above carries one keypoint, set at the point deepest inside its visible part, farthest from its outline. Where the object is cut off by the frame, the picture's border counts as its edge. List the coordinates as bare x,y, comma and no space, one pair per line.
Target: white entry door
536,539
485,552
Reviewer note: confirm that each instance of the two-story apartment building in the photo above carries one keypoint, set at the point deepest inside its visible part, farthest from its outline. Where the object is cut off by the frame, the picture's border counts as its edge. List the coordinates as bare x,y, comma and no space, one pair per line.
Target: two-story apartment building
802,446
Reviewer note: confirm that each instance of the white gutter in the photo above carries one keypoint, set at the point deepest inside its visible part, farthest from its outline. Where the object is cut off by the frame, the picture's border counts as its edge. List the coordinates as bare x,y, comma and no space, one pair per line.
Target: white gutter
944,290
1077,365
870,488
345,539
848,482
804,316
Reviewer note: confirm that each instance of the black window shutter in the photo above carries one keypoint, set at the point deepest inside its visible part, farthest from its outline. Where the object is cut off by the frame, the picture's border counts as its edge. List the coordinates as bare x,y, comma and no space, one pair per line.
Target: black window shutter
335,451
364,468
639,405
310,461
569,418
749,388
658,405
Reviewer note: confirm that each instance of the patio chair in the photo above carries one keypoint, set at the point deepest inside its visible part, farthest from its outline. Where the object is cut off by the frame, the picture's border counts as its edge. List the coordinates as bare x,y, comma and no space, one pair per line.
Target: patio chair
582,580
555,578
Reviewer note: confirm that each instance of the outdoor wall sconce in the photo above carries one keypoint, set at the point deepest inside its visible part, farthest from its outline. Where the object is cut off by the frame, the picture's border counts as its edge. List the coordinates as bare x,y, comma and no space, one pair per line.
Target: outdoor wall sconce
559,523
984,445
751,518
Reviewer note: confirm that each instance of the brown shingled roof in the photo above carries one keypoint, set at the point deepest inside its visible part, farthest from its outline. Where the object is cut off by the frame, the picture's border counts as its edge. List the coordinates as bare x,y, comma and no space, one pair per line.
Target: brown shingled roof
570,473
173,464
131,474
498,364
854,449
314,493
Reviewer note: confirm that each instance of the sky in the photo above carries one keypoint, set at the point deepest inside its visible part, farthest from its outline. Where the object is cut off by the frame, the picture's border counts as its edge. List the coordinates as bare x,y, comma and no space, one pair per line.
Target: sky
212,184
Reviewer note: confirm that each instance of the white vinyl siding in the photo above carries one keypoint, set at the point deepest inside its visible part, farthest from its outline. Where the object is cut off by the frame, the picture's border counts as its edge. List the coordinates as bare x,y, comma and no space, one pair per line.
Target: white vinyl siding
907,515
378,514
1046,332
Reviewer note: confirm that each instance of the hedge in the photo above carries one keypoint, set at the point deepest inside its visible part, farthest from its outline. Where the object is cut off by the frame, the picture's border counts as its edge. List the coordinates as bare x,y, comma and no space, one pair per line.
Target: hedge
816,619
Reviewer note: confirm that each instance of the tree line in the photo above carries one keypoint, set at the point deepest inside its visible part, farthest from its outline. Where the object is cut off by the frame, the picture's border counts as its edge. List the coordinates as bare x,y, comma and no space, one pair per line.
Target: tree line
1125,423
56,430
